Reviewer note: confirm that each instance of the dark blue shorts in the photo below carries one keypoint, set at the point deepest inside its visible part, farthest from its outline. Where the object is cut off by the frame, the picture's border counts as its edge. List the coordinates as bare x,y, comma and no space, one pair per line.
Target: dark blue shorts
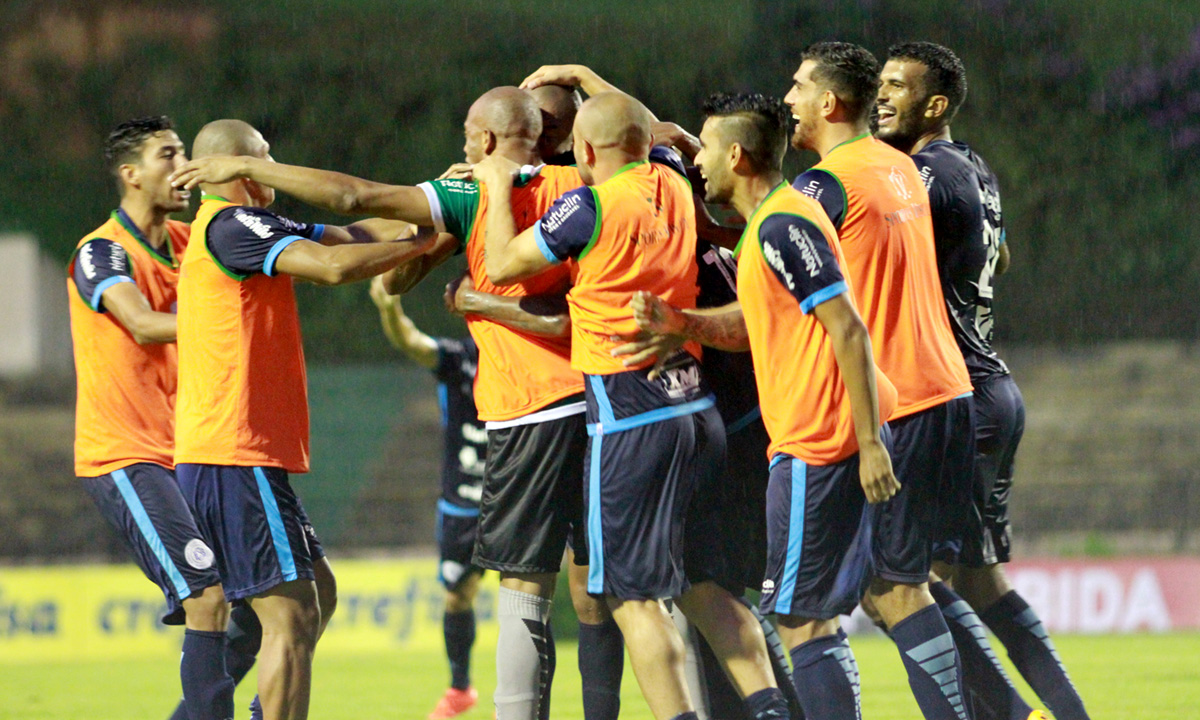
999,425
744,511
457,527
934,460
646,449
255,524
143,503
818,538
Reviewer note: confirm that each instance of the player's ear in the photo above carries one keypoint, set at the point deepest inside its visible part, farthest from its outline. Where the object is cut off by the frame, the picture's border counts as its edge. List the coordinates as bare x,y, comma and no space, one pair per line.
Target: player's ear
936,106
829,103
130,174
489,142
736,156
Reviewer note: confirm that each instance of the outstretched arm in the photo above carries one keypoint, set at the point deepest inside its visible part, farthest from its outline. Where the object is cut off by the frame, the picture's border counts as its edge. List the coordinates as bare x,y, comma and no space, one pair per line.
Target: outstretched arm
400,330
540,315
334,191
581,76
346,263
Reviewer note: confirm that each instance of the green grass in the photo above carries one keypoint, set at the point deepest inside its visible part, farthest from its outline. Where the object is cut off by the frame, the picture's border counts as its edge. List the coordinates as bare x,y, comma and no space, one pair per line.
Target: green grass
1141,676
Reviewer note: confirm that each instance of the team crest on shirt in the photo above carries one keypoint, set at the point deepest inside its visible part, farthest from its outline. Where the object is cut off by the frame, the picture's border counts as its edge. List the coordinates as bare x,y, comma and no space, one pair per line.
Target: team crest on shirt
899,184
198,555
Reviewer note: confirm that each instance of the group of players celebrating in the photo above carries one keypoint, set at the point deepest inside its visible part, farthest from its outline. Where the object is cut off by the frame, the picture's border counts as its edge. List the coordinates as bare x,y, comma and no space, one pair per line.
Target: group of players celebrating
860,453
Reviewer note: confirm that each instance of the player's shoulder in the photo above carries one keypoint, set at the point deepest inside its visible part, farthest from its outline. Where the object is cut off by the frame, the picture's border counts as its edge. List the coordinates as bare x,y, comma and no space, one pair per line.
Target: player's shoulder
109,230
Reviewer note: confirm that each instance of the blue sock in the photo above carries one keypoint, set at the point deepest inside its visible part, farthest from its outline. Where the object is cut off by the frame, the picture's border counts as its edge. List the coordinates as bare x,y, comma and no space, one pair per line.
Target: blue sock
988,689
242,640
1031,650
932,662
459,631
601,664
207,687
767,704
826,678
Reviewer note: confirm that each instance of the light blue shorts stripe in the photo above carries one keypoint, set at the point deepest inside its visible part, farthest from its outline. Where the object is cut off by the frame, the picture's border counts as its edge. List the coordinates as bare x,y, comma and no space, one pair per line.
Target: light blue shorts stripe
448,508
149,533
791,566
595,535
283,548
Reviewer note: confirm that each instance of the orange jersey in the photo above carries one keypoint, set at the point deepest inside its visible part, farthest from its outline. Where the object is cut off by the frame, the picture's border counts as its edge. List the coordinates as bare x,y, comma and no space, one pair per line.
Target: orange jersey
518,373
789,262
243,397
879,206
125,405
635,231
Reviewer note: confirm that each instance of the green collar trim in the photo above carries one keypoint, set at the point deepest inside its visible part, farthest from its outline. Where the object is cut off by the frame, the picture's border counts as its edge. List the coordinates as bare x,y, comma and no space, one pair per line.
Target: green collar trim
630,166
737,250
205,197
124,221
851,140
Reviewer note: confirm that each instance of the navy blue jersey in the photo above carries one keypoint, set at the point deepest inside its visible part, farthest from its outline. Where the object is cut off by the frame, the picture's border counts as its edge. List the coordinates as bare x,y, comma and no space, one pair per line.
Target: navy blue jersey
964,197
731,374
248,240
465,439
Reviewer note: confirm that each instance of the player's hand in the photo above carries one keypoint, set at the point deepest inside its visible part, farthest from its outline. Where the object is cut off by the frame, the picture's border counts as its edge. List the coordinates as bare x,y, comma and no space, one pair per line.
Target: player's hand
653,314
566,75
380,296
669,134
456,291
879,483
496,170
647,346
458,171
214,170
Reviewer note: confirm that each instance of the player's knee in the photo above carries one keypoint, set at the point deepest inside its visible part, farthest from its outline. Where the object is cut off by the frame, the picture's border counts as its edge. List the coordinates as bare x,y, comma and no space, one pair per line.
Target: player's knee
207,610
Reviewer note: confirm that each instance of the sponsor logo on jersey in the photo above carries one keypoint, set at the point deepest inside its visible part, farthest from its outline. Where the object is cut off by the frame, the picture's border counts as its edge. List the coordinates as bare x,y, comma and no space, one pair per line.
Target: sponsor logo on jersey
808,249
85,260
560,214
813,189
253,224
198,555
927,176
775,260
899,184
474,493
469,461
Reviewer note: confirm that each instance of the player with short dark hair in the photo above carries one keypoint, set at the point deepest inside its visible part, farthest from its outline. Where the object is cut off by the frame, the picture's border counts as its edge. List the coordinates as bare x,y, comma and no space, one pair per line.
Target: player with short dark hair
242,410
923,85
122,290
828,439
878,204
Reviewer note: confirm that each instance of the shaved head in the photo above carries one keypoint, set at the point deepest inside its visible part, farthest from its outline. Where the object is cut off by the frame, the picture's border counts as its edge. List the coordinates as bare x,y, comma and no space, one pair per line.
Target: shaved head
507,112
615,120
558,101
229,137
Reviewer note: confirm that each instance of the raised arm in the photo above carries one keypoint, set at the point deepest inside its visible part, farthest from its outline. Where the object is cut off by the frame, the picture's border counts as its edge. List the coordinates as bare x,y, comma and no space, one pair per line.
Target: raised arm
334,191
346,263
852,351
540,315
400,330
581,76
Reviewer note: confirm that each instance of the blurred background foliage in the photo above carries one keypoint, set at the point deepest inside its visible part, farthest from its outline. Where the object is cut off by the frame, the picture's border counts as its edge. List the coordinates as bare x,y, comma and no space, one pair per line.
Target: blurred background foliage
1089,113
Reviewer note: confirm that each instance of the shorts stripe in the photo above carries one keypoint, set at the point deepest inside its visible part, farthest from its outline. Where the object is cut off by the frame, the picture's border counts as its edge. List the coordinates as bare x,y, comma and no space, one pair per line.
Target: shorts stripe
147,528
595,536
447,508
791,566
283,548
602,401
744,421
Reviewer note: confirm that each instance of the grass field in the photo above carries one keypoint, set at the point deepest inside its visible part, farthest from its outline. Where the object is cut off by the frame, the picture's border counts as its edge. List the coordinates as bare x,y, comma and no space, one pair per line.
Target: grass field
1147,677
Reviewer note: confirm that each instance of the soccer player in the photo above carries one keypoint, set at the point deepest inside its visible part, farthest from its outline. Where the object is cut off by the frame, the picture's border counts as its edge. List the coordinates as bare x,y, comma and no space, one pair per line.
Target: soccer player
650,438
242,409
923,85
822,397
878,205
525,390
121,289
464,440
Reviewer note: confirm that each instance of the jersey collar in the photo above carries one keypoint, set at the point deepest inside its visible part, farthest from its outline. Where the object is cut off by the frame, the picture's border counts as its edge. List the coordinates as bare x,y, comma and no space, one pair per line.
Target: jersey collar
847,142
205,197
737,250
126,222
630,166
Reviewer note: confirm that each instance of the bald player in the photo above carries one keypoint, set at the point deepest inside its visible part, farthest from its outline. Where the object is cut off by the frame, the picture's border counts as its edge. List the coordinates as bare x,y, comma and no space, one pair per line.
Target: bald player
525,389
242,408
651,438
559,104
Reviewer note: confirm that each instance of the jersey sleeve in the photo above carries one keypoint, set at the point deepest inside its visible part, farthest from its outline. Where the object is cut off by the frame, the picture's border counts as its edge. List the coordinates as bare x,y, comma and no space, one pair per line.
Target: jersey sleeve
824,187
99,265
800,256
450,356
941,197
569,227
247,240
664,155
453,205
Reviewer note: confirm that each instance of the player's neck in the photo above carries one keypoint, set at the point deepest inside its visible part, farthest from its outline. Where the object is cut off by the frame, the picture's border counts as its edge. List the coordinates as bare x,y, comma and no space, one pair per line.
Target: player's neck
234,192
942,133
751,191
151,221
835,134
522,153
